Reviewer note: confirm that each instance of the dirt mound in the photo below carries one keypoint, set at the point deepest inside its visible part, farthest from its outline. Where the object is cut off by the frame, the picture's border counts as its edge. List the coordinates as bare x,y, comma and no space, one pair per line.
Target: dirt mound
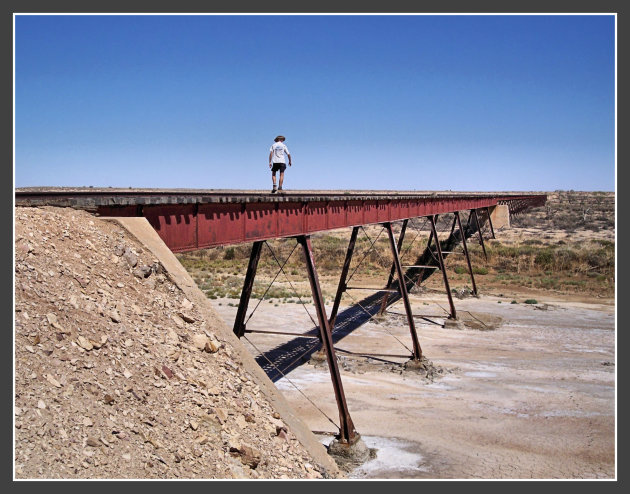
117,375
479,320
358,364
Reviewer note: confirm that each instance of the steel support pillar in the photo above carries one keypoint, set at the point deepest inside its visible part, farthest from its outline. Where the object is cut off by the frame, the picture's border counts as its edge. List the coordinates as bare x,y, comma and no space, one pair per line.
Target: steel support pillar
453,226
443,269
239,322
347,433
390,279
417,351
435,217
473,212
342,279
490,222
463,234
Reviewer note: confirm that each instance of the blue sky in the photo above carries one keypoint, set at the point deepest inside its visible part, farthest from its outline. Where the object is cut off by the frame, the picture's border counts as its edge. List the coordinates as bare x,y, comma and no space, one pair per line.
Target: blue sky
413,102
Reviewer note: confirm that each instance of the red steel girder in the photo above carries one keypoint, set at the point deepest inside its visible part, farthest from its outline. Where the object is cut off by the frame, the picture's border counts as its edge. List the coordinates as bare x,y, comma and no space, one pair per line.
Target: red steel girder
186,227
225,224
191,219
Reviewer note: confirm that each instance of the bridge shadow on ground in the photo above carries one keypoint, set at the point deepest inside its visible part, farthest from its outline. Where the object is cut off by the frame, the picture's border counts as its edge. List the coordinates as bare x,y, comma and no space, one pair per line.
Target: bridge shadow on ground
286,357
290,355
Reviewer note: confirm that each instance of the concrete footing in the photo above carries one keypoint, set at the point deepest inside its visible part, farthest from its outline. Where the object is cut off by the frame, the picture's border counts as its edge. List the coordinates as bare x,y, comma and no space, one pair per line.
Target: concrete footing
417,365
349,456
454,324
319,357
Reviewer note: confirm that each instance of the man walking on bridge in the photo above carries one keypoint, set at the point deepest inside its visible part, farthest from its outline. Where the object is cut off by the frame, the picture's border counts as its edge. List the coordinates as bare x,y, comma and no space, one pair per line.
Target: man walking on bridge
277,161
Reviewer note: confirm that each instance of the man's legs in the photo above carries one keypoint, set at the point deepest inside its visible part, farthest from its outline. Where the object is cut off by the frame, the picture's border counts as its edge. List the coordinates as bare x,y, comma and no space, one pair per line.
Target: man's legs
273,179
281,179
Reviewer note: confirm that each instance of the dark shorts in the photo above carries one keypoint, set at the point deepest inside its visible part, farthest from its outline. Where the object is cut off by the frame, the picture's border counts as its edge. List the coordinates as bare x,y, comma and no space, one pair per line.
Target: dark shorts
279,166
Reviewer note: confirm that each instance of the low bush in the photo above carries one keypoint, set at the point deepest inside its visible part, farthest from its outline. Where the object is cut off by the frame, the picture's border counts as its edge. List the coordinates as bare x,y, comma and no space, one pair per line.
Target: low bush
544,259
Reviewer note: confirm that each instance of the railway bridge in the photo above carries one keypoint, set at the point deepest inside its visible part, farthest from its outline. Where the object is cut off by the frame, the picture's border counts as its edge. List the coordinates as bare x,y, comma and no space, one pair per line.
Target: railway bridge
193,219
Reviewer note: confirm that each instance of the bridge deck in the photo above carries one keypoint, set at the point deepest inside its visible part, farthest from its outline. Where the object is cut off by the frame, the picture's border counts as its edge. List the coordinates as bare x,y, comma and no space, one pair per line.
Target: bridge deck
190,219
111,195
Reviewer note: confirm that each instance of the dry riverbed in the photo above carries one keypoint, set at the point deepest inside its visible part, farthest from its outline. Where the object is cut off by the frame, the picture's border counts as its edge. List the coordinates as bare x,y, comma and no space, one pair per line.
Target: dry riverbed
528,393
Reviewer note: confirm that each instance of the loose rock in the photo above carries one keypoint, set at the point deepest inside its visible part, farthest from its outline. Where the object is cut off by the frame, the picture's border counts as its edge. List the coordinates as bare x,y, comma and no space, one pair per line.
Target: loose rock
110,371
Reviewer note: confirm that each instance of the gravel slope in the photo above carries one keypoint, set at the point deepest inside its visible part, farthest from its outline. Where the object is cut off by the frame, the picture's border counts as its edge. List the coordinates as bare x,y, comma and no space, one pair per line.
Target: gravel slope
116,373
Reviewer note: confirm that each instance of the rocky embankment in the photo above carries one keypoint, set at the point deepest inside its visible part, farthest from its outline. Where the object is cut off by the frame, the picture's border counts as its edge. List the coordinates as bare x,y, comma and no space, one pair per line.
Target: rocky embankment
117,374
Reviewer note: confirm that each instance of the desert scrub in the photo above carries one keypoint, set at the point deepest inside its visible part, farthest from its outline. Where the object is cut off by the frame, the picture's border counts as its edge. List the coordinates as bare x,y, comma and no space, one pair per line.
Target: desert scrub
539,263
606,243
576,283
547,283
503,277
565,259
556,258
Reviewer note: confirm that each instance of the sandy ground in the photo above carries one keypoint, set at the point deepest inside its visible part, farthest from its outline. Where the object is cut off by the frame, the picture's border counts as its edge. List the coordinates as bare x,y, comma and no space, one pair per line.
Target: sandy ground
532,398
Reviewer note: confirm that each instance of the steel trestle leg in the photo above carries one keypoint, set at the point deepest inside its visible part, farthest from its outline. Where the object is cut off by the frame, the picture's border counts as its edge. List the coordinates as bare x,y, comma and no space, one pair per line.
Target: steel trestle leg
431,234
342,279
453,225
390,279
347,433
443,269
417,351
239,322
490,222
463,234
483,246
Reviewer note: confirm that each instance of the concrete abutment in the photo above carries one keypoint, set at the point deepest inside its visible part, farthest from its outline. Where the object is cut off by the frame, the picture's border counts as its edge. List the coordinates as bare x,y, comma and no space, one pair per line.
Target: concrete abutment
500,216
